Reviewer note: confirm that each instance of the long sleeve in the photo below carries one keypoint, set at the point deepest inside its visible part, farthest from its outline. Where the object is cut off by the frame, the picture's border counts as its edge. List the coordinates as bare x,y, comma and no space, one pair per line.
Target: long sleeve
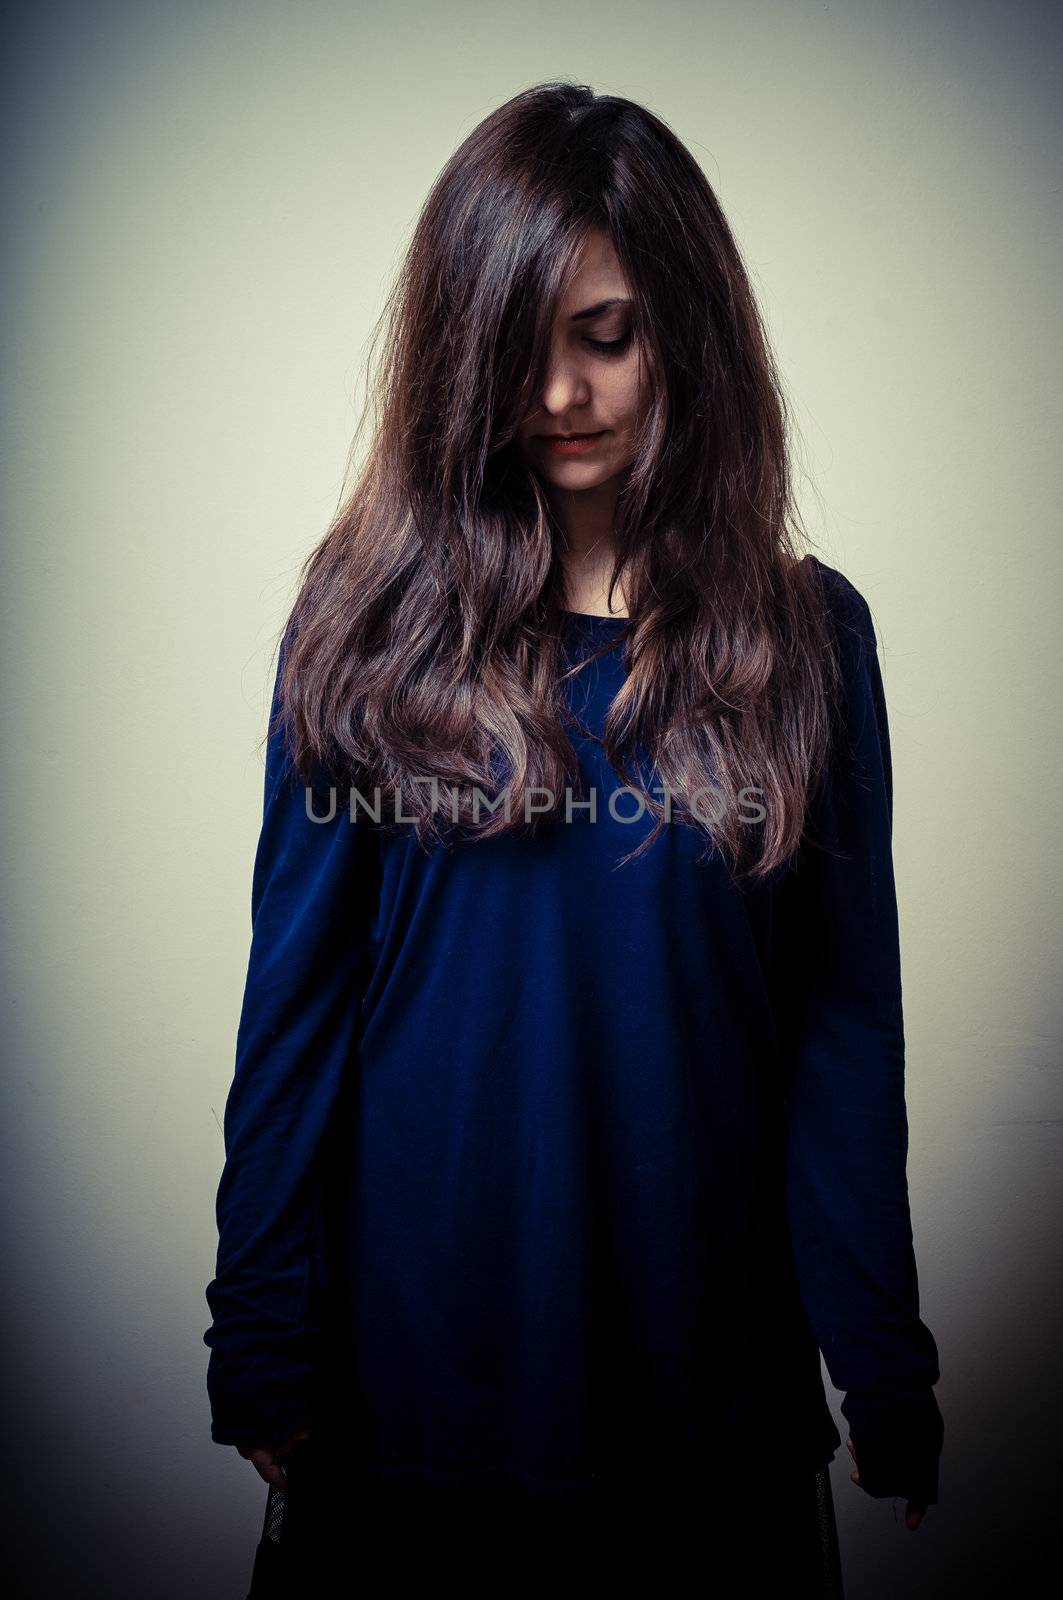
310,910
839,963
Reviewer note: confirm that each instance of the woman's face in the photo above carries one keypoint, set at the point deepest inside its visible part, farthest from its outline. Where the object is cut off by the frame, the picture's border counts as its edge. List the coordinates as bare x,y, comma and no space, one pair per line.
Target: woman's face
596,379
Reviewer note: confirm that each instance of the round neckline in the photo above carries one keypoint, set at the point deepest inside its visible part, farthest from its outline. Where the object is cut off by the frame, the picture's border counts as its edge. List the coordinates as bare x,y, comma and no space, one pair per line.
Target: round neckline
595,616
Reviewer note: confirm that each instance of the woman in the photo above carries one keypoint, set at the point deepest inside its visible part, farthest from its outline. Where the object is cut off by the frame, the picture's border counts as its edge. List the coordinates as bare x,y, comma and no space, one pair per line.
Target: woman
567,1125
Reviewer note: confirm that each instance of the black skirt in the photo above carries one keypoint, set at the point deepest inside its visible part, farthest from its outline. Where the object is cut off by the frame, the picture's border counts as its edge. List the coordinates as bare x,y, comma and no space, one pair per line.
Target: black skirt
330,1528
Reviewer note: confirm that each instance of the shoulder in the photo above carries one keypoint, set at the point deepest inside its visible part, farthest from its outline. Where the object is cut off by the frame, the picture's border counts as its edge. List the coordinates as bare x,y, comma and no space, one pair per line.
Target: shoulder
847,609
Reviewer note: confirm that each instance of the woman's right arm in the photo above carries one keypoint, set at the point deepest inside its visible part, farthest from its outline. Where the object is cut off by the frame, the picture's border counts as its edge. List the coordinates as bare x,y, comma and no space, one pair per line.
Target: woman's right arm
312,889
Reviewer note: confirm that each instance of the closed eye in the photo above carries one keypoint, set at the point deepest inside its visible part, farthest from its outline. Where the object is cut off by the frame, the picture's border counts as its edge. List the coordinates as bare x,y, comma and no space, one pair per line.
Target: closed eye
611,346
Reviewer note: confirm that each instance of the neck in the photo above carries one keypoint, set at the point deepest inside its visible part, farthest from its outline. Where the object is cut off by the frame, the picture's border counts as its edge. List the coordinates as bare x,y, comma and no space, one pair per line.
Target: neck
587,519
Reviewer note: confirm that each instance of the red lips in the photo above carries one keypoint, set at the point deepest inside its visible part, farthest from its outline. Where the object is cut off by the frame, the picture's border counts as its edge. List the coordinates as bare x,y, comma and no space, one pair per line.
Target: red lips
571,444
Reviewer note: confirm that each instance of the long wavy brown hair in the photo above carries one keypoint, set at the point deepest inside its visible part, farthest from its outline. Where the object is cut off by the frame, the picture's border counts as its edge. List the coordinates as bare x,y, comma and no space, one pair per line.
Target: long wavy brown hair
427,636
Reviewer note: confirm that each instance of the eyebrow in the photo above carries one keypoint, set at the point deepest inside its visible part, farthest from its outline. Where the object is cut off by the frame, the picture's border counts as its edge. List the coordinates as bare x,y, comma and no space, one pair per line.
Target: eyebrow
598,308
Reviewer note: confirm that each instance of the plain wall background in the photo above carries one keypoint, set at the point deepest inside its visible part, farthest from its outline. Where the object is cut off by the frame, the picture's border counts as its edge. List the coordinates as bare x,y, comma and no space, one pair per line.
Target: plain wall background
205,204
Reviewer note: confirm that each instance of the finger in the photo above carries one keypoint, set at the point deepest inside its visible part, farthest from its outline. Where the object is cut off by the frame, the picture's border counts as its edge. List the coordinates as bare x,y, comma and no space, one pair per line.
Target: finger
914,1514
264,1460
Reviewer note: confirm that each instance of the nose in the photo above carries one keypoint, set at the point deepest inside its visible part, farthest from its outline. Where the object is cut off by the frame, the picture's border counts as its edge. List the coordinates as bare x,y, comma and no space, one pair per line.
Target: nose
565,389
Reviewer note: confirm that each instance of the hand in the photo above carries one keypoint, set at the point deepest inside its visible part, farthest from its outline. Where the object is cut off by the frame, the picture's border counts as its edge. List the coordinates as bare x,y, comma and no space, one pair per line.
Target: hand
265,1458
914,1512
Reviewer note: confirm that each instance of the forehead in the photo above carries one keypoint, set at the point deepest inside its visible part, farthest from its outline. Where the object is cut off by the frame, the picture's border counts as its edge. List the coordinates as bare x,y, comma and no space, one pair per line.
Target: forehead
597,275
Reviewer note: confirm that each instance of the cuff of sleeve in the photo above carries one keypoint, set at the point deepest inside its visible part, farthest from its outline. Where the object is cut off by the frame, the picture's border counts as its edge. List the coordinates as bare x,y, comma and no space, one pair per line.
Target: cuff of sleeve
272,1430
897,1439
253,1406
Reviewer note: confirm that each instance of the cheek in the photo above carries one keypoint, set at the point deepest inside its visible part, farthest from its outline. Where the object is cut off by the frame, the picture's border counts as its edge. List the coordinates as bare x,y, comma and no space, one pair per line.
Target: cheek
627,392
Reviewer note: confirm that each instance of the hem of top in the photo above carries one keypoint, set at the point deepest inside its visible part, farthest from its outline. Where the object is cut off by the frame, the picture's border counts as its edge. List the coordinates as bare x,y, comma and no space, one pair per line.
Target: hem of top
598,1481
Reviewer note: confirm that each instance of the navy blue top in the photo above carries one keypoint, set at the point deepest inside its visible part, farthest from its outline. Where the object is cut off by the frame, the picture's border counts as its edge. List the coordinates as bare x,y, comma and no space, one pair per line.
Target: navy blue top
547,1172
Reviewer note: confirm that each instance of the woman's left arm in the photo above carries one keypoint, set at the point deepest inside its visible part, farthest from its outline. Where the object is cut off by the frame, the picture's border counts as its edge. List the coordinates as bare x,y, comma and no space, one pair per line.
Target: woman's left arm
847,1139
